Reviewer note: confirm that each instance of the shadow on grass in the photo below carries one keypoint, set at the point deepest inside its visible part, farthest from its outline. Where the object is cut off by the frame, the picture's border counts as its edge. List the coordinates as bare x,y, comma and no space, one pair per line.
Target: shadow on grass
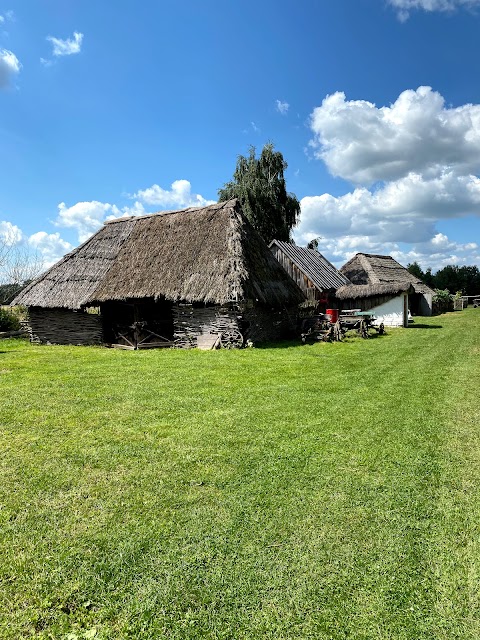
425,326
288,344
283,344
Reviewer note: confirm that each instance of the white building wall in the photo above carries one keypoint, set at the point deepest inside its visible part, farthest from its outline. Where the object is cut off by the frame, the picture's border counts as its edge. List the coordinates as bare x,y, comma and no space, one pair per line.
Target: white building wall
391,313
426,304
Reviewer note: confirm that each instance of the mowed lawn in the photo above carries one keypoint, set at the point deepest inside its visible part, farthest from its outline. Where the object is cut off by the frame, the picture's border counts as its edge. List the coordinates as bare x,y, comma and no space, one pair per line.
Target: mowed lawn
329,491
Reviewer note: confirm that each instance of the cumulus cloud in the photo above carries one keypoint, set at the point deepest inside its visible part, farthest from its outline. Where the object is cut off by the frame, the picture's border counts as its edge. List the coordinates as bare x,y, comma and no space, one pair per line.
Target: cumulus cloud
9,67
403,211
435,252
282,107
49,246
88,217
10,234
404,7
22,256
179,196
412,164
85,217
66,47
363,143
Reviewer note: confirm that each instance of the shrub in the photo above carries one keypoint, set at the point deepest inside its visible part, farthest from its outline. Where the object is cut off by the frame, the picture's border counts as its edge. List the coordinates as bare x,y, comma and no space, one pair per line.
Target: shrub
442,301
9,320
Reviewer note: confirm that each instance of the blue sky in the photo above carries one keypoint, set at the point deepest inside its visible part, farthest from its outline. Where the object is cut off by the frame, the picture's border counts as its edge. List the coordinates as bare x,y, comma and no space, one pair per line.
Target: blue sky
114,108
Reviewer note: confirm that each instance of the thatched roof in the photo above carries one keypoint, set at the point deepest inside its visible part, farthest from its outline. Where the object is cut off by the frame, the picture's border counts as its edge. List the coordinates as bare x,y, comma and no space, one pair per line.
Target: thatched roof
313,265
357,291
373,269
201,254
71,281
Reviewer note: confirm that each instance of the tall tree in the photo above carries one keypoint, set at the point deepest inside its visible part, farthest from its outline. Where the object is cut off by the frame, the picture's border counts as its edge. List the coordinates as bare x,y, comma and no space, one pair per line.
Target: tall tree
18,265
456,278
259,184
415,269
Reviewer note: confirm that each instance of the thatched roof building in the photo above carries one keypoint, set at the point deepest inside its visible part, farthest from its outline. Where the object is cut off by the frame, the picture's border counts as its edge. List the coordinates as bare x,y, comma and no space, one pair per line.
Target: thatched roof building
313,273
361,291
157,265
384,275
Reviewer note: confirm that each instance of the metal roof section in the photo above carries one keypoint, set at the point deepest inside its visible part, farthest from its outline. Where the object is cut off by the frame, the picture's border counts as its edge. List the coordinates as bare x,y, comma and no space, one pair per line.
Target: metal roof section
313,265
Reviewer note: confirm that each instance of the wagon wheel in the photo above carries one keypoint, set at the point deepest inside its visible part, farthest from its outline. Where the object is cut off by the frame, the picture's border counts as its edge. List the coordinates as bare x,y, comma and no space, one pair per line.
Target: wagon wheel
231,339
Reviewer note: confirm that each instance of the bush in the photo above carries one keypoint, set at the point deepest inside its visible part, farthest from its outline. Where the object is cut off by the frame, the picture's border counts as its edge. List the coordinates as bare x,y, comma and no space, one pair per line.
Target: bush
442,301
9,320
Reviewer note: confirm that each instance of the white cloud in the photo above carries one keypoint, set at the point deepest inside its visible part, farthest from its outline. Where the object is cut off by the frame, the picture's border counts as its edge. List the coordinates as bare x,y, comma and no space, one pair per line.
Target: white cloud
10,234
404,7
49,246
179,196
88,217
435,252
406,210
363,143
7,16
66,47
23,256
9,67
282,107
85,217
415,163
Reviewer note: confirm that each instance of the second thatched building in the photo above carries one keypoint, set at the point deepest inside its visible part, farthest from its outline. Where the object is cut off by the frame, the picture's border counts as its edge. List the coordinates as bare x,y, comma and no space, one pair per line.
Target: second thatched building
383,286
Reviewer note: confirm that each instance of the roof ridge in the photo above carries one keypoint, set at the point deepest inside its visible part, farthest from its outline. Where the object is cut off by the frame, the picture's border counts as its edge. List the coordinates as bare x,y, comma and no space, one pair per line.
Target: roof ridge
168,212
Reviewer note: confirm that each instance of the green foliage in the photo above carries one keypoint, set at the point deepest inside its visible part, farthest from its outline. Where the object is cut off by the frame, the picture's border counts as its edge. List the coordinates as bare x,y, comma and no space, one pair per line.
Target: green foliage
155,494
259,184
313,244
9,291
455,278
9,320
452,277
442,301
429,278
415,269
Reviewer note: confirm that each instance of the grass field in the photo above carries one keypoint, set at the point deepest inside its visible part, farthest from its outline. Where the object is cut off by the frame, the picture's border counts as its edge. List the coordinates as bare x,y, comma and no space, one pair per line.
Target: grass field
329,491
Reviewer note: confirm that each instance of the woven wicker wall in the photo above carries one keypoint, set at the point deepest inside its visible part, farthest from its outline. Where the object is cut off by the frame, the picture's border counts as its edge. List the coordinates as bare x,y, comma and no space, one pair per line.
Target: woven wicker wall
62,326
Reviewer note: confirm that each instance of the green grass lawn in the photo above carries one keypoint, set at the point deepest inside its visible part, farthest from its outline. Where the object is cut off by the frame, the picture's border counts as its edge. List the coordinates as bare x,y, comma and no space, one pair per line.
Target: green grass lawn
329,491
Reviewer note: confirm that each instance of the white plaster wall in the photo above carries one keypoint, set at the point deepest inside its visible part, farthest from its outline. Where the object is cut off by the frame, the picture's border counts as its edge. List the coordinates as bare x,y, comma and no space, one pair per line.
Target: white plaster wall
426,304
391,312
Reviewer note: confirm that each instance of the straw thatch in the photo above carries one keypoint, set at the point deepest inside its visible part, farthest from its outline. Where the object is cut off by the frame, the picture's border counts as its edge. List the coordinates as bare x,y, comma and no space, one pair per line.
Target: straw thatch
71,281
205,254
373,269
361,291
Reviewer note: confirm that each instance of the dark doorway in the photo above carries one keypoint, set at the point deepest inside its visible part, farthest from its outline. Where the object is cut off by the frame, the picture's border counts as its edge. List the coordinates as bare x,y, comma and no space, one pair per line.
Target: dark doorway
138,324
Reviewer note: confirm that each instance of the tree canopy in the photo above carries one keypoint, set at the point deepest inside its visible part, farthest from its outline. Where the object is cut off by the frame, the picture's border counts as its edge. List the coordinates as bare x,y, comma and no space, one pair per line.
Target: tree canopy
452,278
259,184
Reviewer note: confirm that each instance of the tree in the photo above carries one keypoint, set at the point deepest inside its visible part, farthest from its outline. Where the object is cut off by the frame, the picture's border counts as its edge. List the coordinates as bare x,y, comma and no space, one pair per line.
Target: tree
259,184
313,244
429,278
455,278
416,270
18,266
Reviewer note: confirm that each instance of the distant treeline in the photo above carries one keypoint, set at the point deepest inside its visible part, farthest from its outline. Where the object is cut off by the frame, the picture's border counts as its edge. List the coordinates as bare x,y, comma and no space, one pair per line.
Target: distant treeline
451,277
9,291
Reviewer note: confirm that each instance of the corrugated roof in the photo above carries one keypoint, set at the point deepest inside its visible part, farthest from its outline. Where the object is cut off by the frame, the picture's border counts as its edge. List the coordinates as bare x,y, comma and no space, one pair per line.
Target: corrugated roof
313,265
